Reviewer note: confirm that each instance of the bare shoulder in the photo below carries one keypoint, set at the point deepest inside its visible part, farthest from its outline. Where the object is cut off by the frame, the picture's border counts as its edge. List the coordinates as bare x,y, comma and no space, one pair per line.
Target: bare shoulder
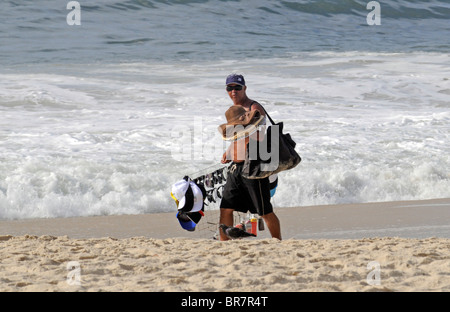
256,106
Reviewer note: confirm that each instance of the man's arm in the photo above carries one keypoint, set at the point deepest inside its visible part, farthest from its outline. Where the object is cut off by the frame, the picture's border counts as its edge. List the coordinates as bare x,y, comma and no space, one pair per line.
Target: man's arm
259,135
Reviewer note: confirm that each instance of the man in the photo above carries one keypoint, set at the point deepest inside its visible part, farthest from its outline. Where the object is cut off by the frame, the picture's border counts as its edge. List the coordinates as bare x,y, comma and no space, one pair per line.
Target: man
239,193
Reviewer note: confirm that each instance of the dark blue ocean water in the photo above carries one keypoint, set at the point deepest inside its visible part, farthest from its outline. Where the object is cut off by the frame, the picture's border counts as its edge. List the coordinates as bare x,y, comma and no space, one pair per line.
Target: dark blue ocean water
143,30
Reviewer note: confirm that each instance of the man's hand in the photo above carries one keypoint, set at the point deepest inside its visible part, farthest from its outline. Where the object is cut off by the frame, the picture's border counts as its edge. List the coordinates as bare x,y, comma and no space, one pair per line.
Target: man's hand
225,159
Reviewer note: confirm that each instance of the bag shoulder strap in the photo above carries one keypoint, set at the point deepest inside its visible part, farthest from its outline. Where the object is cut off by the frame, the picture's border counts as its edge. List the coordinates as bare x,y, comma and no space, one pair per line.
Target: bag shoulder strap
271,120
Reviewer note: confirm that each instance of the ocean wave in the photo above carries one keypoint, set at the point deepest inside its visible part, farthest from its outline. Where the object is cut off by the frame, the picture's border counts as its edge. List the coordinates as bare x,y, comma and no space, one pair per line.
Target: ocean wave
107,138
393,9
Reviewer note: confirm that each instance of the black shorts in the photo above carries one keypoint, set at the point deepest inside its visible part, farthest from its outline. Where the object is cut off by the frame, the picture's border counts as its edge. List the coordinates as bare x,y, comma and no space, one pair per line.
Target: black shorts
244,195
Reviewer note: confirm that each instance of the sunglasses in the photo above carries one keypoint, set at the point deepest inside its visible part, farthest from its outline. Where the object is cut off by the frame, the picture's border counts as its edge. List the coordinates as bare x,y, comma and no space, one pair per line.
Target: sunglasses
212,195
210,181
236,87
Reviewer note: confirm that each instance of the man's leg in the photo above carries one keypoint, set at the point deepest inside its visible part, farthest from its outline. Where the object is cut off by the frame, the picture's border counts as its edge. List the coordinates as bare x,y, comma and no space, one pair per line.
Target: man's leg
273,223
226,217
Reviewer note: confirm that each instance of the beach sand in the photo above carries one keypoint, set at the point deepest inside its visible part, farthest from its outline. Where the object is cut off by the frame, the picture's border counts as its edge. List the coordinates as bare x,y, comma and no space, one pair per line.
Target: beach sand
395,246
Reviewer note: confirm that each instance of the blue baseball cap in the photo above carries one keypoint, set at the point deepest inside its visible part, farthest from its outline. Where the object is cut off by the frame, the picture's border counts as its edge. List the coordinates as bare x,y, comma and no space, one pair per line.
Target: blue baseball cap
235,79
189,220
